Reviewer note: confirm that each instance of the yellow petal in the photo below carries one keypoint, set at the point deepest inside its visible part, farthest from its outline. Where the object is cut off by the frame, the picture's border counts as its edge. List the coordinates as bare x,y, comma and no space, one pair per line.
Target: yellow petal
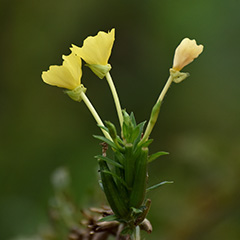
66,76
74,65
185,53
97,49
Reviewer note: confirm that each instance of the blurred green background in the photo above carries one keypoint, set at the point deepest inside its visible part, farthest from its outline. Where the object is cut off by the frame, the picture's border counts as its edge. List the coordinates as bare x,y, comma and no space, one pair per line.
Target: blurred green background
42,129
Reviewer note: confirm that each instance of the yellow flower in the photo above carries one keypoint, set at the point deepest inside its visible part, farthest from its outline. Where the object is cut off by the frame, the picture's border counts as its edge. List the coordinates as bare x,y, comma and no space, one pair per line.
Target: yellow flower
185,53
68,75
96,51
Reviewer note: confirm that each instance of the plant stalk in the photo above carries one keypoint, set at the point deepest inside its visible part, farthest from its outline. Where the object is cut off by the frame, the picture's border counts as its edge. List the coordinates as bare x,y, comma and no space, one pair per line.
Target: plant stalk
115,97
156,109
94,113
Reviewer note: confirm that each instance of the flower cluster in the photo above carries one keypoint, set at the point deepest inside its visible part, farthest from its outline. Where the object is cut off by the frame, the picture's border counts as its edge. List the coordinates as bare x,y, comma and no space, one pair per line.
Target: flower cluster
95,52
123,176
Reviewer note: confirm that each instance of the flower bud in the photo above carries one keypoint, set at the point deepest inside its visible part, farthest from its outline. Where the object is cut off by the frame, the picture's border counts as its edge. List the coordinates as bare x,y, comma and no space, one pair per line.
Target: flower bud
185,53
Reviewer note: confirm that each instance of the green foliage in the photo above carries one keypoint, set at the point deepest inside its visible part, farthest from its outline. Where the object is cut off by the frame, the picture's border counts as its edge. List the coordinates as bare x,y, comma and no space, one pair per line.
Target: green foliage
109,160
158,185
156,155
114,197
124,176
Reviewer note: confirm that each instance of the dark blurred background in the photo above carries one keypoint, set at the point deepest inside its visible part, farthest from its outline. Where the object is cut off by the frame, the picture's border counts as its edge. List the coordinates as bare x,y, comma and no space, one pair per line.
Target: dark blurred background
41,128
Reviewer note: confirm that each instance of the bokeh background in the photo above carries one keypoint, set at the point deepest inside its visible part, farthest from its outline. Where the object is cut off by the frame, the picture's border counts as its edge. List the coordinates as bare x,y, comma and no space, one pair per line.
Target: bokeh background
42,129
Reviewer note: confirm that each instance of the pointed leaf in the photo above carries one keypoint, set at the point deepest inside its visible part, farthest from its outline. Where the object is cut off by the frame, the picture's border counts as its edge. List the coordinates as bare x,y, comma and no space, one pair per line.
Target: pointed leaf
119,157
145,144
141,125
132,117
103,127
120,140
135,134
117,178
156,155
112,129
109,142
158,185
109,160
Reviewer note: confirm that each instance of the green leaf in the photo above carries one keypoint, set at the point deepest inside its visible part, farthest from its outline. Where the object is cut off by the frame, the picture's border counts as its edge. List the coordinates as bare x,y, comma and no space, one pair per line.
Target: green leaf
119,157
146,144
108,218
156,155
135,134
115,198
129,164
109,160
140,180
104,139
139,127
117,178
120,140
127,127
125,130
103,127
158,185
112,129
132,117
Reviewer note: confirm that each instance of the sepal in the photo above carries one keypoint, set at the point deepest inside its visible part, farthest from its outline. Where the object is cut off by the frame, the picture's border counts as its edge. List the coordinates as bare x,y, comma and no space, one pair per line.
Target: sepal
99,70
75,94
178,76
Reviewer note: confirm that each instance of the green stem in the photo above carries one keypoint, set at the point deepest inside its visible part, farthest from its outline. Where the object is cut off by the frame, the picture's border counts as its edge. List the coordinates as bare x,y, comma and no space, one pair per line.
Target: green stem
165,89
115,97
155,111
94,113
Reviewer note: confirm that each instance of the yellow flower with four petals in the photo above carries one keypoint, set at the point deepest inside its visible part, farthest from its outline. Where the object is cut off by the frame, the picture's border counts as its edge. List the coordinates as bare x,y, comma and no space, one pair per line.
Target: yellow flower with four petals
96,51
